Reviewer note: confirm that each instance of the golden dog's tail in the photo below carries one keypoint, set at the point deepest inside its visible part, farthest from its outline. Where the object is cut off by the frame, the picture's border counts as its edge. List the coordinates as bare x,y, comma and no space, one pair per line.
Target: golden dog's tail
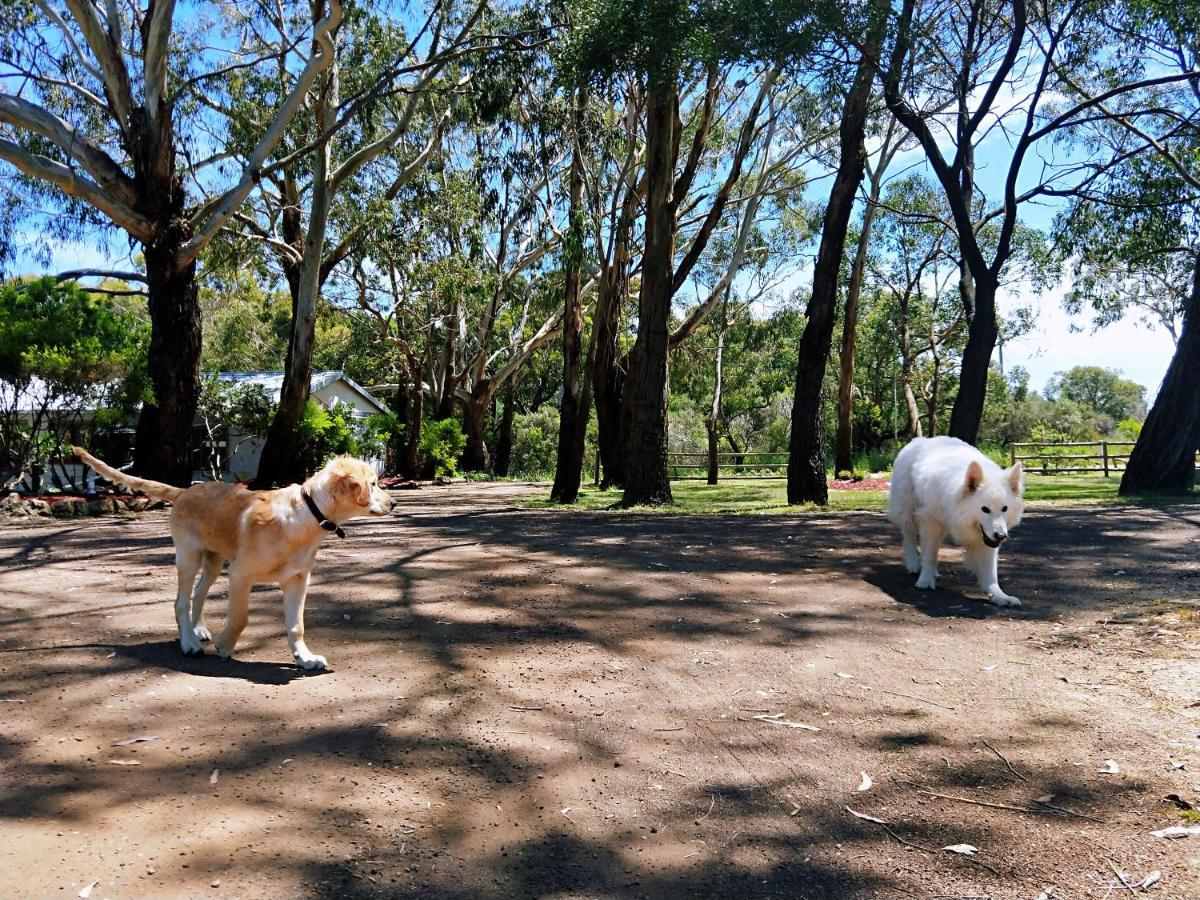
155,489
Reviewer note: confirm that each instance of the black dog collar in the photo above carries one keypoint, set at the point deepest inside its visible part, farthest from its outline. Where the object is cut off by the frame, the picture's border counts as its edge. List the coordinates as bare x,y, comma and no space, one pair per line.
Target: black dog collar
327,524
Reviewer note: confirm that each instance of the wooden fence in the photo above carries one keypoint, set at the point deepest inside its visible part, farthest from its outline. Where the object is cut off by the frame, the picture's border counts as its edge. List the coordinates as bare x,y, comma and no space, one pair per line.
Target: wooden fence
768,465
1105,457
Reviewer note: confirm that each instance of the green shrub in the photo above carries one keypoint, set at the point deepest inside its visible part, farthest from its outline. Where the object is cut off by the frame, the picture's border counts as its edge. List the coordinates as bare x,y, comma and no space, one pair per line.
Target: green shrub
442,443
535,444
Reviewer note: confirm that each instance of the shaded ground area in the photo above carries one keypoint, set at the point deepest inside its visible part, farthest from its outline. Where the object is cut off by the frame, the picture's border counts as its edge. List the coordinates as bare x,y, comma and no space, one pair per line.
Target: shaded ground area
533,703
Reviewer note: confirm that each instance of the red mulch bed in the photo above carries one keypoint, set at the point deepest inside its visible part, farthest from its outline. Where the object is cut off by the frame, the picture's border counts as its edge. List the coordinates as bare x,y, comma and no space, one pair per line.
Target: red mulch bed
865,484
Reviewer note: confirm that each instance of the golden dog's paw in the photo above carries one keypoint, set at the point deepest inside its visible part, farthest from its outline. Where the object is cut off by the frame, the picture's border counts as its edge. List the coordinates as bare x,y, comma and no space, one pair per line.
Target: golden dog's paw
311,663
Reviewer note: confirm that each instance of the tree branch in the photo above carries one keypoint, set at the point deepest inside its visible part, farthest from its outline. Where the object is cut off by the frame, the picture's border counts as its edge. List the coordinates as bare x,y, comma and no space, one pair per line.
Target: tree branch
69,182
235,196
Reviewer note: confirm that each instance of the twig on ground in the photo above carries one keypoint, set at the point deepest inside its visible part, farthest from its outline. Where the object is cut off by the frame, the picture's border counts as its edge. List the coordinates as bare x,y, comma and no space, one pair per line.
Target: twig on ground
1068,812
915,697
1004,759
1121,878
713,799
527,708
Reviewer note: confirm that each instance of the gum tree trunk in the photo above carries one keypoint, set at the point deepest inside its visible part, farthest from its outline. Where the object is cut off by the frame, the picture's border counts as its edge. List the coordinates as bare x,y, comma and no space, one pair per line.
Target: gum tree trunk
977,358
574,407
1164,457
806,464
646,386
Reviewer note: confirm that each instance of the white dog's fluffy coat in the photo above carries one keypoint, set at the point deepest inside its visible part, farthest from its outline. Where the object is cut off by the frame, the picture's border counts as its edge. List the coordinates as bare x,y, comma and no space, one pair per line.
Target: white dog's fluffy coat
943,487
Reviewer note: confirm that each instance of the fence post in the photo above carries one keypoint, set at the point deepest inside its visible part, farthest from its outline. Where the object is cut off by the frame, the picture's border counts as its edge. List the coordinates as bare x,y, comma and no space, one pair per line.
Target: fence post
1012,455
1104,455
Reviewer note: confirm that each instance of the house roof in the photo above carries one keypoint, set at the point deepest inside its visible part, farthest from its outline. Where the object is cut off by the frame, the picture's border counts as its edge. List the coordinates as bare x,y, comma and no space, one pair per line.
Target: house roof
272,381
35,395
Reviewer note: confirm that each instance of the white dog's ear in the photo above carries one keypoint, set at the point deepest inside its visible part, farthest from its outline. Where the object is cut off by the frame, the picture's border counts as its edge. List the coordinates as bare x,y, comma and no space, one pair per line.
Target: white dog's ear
974,476
1016,480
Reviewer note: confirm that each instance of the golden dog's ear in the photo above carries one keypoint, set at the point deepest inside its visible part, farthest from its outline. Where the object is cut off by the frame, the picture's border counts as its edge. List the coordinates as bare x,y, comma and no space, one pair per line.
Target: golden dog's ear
354,487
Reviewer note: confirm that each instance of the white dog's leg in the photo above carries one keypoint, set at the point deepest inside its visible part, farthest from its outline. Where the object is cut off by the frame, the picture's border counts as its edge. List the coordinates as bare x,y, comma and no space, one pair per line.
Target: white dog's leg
912,556
294,592
984,562
239,614
931,536
187,562
208,574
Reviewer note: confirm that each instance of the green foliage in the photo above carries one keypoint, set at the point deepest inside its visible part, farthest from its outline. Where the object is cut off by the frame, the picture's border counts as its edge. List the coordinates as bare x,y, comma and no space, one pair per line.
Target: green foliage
225,407
535,443
64,353
442,443
324,433
1099,389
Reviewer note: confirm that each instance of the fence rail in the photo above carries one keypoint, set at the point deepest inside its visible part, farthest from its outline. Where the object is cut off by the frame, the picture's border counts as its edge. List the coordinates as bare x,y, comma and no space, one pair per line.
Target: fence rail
1052,459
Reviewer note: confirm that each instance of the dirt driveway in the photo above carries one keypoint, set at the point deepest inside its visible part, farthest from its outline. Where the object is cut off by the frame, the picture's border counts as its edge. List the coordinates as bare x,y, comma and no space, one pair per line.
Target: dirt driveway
545,704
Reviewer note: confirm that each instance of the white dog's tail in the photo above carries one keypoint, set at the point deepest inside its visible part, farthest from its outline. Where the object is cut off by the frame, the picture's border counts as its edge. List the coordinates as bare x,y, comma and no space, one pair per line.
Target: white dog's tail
155,489
900,489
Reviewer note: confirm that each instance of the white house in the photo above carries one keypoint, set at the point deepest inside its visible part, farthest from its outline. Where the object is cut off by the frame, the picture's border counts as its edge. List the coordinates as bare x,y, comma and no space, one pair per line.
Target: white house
329,389
241,451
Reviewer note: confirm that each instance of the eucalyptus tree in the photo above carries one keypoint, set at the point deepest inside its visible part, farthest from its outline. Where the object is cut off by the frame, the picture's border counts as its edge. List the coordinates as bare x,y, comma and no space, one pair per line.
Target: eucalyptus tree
959,72
663,46
806,481
890,144
393,104
105,116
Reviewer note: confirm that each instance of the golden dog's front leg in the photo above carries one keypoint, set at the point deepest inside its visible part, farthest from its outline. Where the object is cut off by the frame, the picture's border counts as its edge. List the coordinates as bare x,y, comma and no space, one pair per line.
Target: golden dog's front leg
239,614
295,590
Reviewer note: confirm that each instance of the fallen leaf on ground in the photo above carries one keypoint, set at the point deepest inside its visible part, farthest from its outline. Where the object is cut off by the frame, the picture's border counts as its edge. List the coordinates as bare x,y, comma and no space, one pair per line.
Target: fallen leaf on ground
1150,880
1177,831
140,739
124,762
212,779
777,719
87,890
844,675
859,815
964,849
1110,768
865,784
1045,798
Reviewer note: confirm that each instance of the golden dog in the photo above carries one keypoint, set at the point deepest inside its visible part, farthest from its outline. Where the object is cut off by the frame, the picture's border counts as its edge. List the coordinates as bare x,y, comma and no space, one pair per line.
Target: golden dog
267,536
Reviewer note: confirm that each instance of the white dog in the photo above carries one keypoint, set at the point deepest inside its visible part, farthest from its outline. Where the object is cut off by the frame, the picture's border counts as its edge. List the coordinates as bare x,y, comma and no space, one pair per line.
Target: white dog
942,486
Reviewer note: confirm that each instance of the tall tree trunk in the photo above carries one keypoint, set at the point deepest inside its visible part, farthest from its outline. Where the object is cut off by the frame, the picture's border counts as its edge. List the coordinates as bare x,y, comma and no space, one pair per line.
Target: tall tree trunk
1164,457
906,361
503,460
282,461
608,371
475,456
164,430
843,453
163,451
806,464
714,412
647,386
574,408
408,463
977,358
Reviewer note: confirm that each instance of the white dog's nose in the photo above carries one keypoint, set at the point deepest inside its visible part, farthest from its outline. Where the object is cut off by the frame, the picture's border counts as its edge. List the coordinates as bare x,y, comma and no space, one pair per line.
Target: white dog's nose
999,536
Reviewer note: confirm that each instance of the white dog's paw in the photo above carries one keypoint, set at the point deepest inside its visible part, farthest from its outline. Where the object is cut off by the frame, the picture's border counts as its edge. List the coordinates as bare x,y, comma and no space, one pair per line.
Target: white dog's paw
202,633
1002,599
927,582
190,645
311,662
912,566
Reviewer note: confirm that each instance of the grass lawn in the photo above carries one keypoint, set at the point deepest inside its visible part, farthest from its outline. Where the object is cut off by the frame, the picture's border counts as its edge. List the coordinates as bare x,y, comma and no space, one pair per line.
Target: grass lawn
760,496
